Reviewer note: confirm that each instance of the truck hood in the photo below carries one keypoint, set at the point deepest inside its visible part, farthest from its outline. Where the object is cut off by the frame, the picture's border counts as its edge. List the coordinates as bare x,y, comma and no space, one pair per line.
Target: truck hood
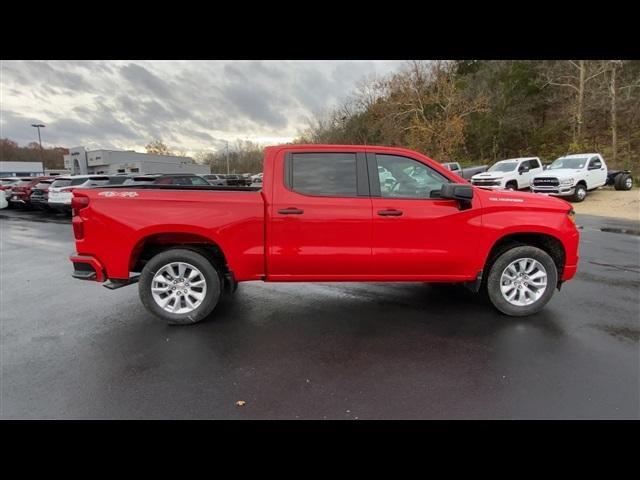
517,200
559,173
489,175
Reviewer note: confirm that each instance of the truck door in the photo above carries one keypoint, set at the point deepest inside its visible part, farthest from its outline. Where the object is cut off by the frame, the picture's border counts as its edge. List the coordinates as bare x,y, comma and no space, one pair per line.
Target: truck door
596,173
416,235
320,217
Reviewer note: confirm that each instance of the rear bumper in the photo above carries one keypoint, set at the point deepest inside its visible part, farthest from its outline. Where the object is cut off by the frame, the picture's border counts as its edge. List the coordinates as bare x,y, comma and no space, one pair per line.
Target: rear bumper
63,207
86,267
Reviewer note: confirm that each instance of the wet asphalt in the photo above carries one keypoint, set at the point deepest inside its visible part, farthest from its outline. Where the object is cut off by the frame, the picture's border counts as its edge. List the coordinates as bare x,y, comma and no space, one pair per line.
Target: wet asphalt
75,350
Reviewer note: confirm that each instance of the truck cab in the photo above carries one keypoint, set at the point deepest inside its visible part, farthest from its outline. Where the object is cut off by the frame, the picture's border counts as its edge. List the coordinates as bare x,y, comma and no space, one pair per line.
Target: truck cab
572,176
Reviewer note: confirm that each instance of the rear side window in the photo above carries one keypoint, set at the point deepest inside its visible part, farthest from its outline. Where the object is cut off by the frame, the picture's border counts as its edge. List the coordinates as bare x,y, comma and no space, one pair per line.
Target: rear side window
117,180
78,181
61,183
330,174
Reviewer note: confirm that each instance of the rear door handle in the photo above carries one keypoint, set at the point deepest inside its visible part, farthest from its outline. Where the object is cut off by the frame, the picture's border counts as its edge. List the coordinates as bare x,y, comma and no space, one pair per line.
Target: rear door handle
291,211
390,213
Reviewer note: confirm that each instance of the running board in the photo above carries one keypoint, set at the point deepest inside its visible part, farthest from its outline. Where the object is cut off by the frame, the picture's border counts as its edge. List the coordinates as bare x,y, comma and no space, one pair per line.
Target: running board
114,284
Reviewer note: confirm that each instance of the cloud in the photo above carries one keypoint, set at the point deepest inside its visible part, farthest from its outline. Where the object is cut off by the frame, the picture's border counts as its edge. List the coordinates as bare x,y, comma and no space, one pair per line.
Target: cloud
192,105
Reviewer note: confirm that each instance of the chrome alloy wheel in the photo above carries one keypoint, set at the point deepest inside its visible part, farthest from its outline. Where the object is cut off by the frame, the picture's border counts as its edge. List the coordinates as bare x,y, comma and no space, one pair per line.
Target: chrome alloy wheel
523,282
178,287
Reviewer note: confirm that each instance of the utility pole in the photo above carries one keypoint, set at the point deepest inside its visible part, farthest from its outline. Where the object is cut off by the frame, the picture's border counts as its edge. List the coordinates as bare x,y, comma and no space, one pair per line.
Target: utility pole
226,154
39,126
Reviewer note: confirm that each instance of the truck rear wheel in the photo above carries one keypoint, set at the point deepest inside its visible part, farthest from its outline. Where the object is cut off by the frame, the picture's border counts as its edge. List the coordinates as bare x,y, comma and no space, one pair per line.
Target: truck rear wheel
521,281
623,181
179,286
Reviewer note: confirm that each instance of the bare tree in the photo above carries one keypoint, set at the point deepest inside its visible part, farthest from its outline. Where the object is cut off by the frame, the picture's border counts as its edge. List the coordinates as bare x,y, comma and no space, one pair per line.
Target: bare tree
575,75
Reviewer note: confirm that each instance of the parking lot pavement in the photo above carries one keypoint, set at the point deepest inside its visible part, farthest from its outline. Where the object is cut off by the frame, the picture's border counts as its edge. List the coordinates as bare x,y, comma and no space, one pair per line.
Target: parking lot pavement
73,349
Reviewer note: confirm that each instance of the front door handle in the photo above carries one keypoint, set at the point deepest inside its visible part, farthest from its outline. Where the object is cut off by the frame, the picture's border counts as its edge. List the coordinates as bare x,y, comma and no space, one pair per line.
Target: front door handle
390,212
291,211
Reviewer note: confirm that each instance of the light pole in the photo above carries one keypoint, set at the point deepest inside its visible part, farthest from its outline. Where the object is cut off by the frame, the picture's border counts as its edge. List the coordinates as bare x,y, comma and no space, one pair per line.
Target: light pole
226,154
39,126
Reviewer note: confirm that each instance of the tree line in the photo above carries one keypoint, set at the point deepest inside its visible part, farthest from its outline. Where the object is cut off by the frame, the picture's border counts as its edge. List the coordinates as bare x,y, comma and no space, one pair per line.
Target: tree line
477,111
52,158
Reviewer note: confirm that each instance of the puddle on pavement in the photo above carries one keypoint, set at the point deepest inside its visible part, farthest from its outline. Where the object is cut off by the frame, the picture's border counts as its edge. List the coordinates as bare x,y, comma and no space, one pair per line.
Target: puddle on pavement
628,231
623,333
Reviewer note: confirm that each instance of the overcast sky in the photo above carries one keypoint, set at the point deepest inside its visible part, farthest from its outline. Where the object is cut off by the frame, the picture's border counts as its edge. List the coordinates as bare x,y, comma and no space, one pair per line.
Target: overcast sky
190,105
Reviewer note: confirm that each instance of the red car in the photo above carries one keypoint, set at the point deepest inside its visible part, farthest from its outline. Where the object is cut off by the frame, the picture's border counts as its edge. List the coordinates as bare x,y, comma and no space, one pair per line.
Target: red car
21,191
325,213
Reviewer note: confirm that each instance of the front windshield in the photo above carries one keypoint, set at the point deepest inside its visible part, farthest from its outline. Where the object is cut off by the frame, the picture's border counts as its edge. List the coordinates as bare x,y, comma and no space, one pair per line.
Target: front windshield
573,162
503,167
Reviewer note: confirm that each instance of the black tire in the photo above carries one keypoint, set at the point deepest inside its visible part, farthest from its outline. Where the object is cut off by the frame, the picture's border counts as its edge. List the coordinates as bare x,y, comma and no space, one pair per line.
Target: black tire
492,285
580,193
211,276
512,185
623,181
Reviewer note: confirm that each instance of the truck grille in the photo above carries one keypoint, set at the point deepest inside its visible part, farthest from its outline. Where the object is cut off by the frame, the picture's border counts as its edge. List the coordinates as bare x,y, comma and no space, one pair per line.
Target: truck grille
545,182
485,183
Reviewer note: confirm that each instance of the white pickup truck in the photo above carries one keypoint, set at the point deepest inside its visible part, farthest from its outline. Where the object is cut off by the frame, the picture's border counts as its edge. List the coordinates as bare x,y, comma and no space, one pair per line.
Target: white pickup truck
511,174
572,176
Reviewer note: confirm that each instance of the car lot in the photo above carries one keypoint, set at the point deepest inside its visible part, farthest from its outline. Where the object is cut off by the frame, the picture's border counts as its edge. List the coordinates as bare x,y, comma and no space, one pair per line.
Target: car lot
341,351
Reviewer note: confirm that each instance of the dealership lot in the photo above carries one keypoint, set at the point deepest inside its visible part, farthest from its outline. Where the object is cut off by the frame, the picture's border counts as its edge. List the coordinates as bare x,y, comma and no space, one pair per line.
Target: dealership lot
73,349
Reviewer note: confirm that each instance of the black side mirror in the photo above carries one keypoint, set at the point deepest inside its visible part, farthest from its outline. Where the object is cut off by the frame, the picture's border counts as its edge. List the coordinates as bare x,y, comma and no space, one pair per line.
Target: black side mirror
458,191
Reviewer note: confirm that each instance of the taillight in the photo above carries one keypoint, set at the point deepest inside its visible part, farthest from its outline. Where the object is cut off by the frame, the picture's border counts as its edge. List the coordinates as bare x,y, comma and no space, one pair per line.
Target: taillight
78,227
78,203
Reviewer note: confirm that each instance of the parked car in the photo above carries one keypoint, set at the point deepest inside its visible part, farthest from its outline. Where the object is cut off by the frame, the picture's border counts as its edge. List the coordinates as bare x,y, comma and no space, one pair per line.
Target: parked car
465,173
39,197
215,179
132,179
511,174
620,179
572,176
187,179
21,191
7,184
256,176
3,200
257,182
61,190
322,216
234,180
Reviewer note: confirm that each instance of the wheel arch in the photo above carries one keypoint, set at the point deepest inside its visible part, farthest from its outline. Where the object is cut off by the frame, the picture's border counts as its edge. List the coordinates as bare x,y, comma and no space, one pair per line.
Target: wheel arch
152,244
544,241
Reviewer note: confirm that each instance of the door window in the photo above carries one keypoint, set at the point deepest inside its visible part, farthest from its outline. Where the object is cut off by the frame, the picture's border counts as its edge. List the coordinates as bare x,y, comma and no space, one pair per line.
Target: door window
402,177
326,174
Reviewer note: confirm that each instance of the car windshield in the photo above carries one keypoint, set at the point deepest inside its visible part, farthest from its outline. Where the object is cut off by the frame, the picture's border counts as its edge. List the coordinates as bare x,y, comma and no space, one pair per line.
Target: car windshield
503,167
573,162
43,184
9,181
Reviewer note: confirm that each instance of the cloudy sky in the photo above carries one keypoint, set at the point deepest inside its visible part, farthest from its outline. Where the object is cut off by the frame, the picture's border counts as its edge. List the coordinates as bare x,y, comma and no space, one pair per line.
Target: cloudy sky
191,105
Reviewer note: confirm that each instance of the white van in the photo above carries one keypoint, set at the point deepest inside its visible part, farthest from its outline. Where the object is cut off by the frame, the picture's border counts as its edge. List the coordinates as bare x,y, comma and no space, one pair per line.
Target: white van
512,174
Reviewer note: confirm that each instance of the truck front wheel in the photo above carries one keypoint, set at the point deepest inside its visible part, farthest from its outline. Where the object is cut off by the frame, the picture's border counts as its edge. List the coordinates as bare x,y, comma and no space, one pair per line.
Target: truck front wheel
179,286
521,281
580,193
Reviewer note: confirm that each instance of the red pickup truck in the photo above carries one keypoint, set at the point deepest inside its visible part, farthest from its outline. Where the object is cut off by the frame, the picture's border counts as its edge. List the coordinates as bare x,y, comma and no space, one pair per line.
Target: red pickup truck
325,213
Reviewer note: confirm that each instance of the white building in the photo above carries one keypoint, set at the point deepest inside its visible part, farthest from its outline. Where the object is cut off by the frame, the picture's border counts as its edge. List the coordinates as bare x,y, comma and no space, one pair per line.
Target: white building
108,162
21,169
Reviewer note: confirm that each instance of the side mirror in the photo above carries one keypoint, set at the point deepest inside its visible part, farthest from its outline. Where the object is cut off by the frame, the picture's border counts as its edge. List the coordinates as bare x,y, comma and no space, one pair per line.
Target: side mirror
458,191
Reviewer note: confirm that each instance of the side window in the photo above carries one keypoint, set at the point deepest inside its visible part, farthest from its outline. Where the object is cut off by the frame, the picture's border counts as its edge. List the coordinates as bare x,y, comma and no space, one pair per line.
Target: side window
535,164
330,174
402,177
198,181
595,163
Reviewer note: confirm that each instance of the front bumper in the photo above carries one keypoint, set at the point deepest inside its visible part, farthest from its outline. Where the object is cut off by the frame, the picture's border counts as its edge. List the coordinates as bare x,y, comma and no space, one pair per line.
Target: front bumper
558,191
